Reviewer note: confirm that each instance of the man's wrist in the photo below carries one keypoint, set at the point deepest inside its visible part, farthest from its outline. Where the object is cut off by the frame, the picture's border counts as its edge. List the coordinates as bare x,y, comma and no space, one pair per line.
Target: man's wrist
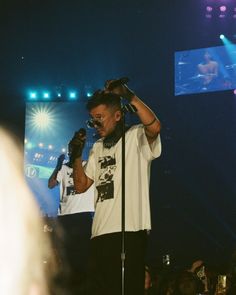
149,124
77,160
130,95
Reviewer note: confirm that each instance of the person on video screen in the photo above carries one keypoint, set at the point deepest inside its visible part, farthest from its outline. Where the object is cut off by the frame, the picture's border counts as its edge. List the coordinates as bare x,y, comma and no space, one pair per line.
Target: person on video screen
208,72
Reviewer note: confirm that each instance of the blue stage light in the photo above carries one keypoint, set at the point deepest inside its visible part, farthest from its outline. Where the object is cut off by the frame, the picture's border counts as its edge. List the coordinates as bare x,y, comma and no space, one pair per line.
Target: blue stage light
222,36
33,95
46,95
72,95
89,94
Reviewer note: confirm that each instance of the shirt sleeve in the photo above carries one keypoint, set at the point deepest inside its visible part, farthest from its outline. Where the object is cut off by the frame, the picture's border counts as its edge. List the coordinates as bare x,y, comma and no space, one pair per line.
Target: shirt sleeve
149,151
89,167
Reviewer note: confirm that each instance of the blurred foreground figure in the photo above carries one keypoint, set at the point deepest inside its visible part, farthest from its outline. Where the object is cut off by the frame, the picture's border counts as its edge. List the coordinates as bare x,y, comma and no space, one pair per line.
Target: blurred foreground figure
25,251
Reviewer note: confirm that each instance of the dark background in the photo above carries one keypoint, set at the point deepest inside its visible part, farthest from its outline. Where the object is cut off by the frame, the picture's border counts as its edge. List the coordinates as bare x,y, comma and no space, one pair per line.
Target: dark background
46,43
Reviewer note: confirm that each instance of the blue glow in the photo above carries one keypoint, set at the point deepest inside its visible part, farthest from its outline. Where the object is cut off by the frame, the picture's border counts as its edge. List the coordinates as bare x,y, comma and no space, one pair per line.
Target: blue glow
46,95
89,94
222,36
72,95
33,95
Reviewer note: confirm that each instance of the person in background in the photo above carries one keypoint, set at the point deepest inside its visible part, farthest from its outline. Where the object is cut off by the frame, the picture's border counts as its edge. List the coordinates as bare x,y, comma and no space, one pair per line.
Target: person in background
208,72
186,284
148,285
75,214
70,201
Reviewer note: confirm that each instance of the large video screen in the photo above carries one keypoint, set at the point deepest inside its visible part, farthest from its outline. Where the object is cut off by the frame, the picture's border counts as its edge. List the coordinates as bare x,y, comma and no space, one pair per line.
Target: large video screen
205,70
49,126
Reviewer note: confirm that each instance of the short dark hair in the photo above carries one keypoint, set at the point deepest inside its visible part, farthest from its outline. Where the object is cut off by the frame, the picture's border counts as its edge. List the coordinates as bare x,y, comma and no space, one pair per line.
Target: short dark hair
108,99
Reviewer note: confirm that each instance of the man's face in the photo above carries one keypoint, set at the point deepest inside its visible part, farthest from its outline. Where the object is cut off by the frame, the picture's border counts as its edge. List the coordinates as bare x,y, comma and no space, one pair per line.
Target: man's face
105,119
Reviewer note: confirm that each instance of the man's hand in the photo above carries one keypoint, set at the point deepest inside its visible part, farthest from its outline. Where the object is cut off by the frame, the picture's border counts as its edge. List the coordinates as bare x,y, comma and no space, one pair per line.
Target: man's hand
76,145
121,89
52,181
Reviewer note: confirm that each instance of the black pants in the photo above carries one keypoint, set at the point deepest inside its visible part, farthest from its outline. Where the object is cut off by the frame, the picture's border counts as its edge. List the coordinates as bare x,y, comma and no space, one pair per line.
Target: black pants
105,264
76,237
71,239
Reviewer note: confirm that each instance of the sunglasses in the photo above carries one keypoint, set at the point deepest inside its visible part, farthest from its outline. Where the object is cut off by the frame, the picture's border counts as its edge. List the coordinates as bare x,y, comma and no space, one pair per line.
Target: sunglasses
94,122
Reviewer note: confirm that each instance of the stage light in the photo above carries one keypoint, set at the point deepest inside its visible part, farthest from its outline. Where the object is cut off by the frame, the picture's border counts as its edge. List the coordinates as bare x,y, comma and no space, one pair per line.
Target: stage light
209,8
222,36
33,95
63,150
89,94
50,147
46,95
42,119
58,94
72,95
223,8
41,145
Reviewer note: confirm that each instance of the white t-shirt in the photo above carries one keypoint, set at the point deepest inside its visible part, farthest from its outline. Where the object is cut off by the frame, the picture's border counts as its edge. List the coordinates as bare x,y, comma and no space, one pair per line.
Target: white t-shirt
104,167
70,201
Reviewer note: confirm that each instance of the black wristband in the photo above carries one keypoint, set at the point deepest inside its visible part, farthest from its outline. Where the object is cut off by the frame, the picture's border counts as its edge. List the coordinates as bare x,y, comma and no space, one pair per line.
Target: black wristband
153,121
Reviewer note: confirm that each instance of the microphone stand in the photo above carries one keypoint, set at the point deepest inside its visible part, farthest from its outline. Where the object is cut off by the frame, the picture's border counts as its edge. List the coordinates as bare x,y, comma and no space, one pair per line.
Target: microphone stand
131,109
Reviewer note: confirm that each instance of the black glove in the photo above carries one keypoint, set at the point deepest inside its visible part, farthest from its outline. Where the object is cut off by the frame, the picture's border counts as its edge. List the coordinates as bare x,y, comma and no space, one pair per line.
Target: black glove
119,87
77,143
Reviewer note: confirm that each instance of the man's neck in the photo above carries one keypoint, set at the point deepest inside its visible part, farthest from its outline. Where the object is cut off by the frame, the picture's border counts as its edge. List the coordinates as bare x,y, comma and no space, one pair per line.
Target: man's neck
111,140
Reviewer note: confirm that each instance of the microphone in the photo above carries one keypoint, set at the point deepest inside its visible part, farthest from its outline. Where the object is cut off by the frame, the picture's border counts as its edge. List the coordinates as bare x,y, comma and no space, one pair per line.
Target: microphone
77,143
118,82
81,132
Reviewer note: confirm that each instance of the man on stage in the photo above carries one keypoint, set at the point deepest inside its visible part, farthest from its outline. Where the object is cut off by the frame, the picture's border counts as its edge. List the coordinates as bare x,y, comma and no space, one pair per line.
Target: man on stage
103,169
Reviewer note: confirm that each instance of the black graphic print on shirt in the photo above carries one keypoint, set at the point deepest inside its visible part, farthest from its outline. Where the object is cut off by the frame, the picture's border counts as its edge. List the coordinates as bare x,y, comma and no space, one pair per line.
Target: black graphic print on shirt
70,190
105,186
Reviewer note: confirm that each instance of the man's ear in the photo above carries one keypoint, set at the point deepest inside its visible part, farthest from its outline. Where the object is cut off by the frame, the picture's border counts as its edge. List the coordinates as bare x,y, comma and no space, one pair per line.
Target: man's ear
118,115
